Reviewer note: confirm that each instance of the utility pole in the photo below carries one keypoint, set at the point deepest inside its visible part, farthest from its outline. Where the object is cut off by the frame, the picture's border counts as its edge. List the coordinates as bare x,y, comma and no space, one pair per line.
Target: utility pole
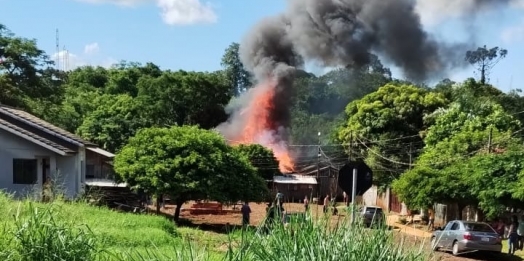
319,181
410,155
490,139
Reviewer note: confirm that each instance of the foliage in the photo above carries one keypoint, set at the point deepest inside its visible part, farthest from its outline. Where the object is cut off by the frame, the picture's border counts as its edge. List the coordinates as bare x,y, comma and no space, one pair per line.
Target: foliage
26,72
179,98
112,123
188,163
238,77
261,158
377,121
141,237
43,237
455,165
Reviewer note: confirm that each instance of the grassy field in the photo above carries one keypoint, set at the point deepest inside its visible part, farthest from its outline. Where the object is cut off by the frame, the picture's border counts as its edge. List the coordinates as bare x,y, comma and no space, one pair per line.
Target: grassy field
76,231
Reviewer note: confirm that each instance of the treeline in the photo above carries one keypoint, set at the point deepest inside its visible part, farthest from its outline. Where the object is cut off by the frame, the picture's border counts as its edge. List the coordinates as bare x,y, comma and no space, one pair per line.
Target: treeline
453,142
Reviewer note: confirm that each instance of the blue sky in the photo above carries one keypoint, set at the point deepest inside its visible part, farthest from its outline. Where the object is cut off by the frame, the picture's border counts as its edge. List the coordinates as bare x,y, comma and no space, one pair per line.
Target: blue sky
192,35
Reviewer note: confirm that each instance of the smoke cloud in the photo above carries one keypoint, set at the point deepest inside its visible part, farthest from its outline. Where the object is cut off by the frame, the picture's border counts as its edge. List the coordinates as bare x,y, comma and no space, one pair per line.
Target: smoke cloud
337,33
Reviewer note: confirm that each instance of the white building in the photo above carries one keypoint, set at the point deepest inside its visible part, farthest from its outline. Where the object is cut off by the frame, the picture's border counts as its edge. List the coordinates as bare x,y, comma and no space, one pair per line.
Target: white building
33,151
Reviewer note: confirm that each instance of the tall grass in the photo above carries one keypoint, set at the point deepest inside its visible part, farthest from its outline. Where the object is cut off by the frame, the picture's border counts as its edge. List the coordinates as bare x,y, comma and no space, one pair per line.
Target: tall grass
58,231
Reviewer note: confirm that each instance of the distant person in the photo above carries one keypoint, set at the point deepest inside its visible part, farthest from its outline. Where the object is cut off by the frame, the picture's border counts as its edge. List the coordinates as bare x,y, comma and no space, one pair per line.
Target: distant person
306,204
325,207
346,200
280,199
431,220
246,211
520,232
500,227
513,236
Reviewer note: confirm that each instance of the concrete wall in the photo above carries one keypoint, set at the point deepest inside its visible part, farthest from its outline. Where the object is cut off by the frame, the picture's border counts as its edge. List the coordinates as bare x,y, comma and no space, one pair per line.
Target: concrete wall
370,196
67,175
62,170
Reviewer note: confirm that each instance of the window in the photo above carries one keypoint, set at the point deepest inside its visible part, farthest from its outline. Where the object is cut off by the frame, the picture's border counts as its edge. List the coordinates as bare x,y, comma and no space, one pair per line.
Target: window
455,226
25,171
479,227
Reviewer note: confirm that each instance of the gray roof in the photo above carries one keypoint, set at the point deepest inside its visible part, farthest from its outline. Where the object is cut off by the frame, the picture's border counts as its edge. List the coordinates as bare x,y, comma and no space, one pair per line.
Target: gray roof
26,121
34,137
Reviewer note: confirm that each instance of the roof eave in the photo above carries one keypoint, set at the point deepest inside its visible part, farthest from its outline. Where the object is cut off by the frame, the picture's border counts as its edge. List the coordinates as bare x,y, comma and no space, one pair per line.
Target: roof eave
35,141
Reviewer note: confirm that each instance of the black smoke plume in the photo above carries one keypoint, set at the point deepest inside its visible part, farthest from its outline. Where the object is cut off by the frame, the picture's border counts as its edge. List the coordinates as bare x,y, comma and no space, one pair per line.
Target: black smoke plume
339,33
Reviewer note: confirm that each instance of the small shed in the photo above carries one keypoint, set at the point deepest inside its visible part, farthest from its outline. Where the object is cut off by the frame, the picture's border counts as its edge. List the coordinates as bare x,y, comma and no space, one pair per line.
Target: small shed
295,187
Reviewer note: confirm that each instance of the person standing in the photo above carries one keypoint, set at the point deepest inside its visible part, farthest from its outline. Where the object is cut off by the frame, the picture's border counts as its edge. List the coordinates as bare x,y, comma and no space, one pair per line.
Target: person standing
520,233
431,220
326,204
246,211
513,236
280,199
306,204
346,201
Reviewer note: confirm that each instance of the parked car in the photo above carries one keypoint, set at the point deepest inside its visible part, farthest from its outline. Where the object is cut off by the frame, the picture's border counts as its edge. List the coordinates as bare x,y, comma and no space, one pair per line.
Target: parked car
460,236
372,215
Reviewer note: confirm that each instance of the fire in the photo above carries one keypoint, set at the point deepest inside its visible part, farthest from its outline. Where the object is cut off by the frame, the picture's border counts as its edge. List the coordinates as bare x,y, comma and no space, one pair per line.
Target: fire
259,129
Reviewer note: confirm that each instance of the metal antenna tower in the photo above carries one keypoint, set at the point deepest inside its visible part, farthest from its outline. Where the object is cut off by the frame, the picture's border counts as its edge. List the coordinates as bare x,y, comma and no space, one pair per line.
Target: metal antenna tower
57,64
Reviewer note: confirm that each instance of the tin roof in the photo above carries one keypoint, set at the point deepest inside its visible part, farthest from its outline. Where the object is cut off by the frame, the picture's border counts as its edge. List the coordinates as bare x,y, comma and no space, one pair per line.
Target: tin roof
295,179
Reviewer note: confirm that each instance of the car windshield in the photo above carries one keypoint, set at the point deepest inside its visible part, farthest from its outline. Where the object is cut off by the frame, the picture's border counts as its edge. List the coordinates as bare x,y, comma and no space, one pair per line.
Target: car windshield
478,227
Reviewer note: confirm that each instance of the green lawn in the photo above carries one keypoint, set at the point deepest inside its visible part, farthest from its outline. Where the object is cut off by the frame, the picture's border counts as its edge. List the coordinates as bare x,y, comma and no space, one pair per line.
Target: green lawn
116,233
32,231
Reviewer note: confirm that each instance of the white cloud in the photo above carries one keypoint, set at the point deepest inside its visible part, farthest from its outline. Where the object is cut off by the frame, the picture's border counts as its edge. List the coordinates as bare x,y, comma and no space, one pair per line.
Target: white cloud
433,12
173,12
69,61
514,33
91,48
186,12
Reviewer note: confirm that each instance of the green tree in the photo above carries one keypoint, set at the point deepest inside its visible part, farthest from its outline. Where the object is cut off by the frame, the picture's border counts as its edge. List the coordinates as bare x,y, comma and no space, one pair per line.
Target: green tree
179,98
124,77
485,59
188,163
387,125
456,143
26,72
261,158
493,179
113,122
237,75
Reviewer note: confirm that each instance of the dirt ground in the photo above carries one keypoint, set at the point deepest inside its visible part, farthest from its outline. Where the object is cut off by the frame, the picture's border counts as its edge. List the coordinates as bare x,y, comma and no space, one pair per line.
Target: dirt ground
258,212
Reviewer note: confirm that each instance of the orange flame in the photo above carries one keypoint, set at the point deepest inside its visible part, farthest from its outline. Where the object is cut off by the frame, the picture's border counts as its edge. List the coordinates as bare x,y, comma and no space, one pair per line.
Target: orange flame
259,129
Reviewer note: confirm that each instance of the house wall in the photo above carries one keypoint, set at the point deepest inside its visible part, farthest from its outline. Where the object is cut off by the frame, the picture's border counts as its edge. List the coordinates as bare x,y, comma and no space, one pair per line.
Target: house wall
13,147
370,196
62,170
67,175
295,192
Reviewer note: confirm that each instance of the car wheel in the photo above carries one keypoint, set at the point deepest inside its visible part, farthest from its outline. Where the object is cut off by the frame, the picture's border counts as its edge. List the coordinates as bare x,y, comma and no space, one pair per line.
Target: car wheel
434,246
455,248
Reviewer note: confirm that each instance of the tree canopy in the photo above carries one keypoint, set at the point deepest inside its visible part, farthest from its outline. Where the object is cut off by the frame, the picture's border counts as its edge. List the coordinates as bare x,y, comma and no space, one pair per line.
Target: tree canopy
188,163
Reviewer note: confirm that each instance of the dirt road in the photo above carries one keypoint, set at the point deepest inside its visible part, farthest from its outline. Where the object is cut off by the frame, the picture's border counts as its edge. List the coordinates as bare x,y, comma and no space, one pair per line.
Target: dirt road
413,236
